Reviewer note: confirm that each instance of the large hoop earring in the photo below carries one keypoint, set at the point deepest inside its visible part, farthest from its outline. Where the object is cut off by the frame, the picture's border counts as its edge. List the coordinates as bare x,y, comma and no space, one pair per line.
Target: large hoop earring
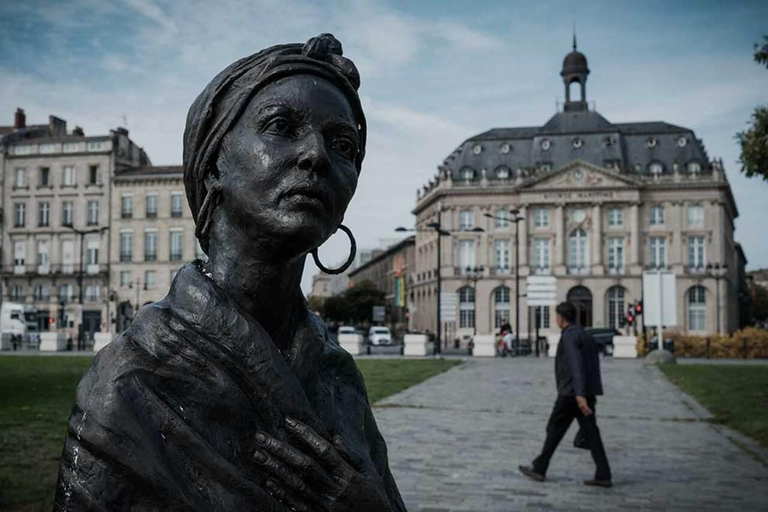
352,253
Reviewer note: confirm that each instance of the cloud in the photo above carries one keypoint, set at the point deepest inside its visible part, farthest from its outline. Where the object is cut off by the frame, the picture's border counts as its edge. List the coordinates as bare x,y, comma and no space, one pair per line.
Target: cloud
432,77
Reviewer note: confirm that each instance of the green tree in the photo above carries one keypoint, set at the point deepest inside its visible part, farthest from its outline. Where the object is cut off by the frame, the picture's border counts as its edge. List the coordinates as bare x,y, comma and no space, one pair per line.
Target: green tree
361,298
754,140
760,306
761,52
315,303
336,308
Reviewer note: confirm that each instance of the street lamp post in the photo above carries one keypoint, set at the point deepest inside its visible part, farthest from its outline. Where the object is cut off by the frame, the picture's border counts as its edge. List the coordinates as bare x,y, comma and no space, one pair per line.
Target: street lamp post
437,228
515,217
714,270
82,233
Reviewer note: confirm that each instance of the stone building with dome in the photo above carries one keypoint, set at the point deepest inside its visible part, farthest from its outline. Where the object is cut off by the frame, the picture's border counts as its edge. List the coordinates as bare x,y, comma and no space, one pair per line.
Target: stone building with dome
601,202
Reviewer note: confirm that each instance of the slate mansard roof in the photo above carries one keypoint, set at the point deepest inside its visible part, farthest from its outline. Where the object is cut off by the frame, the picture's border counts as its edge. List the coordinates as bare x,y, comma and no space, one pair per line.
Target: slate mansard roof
578,135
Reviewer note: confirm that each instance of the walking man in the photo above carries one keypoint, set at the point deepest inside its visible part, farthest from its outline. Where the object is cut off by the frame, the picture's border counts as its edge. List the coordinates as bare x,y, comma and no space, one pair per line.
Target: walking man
577,372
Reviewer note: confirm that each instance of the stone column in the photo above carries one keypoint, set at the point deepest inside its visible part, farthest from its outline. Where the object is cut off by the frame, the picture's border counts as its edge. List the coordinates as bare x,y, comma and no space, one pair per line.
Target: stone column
634,237
559,248
523,237
597,236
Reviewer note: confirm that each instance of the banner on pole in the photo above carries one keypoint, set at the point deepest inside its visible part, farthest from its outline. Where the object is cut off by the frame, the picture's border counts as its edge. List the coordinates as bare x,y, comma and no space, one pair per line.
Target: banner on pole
659,297
541,290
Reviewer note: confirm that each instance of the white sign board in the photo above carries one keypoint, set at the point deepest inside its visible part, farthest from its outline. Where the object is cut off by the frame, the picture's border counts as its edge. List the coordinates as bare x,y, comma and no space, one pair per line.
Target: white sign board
541,290
448,306
659,297
379,312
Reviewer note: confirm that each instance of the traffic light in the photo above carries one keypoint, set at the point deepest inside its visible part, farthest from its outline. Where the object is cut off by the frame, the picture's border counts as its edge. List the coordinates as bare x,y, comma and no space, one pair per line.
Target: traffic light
631,315
639,308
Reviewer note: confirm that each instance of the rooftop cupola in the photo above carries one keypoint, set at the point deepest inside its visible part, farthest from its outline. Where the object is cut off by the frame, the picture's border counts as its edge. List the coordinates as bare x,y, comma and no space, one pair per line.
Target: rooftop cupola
575,70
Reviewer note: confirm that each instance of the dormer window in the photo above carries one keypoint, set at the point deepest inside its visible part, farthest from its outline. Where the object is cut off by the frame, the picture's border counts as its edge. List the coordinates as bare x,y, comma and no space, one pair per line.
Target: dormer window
477,149
694,167
682,141
577,143
546,144
651,142
504,149
502,173
655,168
608,141
467,173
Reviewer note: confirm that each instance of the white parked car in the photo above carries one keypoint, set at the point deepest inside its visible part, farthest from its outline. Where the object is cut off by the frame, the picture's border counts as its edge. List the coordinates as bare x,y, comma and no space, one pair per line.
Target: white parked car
347,329
379,336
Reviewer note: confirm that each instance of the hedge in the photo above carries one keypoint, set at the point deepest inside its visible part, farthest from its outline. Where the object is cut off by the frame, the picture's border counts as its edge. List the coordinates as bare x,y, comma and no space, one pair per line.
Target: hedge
747,343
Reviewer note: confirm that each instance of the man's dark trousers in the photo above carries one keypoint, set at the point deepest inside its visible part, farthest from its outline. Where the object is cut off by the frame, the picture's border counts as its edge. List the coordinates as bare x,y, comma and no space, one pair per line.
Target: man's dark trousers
562,416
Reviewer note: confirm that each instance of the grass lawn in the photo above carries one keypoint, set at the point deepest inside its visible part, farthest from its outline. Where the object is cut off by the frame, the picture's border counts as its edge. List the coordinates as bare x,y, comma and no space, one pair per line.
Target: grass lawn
737,396
36,395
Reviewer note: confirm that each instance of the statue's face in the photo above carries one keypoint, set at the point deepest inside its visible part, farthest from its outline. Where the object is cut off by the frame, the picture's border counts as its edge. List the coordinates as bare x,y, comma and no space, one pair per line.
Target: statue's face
287,167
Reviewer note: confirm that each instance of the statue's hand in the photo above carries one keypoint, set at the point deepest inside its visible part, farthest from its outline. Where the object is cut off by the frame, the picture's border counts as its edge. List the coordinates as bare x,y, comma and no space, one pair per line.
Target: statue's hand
321,476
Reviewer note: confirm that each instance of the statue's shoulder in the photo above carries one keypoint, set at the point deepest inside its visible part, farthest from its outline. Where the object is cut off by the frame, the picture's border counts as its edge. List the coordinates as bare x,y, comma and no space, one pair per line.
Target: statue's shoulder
139,349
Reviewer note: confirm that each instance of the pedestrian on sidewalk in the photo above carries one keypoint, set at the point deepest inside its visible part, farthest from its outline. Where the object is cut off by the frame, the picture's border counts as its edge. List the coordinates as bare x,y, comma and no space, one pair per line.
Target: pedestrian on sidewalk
577,372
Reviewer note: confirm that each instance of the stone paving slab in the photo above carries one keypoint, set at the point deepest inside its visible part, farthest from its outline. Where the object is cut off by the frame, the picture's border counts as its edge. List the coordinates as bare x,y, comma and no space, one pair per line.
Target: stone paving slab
455,442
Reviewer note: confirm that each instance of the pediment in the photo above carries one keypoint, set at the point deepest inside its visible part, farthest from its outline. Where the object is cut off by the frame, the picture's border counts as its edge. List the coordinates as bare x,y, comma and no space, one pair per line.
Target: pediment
581,176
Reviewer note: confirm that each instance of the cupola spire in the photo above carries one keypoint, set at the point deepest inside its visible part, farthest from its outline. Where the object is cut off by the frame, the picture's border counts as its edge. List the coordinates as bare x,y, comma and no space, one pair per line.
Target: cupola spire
575,69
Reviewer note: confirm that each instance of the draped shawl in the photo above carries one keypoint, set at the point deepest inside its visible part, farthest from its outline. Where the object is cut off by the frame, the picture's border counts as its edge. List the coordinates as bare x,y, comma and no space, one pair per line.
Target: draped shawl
166,416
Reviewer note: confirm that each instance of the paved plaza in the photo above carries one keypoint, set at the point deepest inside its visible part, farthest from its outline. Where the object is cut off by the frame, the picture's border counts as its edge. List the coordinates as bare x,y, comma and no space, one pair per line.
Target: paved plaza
456,440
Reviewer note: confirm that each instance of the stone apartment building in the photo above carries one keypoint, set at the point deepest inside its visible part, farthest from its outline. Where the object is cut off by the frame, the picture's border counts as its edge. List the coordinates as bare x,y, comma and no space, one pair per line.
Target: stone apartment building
391,271
600,203
153,234
56,197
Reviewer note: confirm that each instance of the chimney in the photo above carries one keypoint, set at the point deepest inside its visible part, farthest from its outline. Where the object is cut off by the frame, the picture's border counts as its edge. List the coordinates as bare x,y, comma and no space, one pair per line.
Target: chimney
78,131
20,119
122,131
57,125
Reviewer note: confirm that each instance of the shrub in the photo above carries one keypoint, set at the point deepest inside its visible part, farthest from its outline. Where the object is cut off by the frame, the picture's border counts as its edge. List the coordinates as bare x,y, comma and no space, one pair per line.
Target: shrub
751,340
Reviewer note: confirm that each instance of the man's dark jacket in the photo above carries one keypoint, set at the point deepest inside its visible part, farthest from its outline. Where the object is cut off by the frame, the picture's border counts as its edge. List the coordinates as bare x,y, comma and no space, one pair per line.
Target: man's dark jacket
577,364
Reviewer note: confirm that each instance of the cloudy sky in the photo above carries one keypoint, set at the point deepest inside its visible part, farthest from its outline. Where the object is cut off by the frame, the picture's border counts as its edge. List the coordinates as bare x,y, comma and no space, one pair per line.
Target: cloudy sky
434,73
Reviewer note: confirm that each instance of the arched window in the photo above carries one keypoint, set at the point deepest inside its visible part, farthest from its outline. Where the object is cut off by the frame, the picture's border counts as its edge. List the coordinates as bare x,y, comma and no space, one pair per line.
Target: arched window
467,307
655,168
502,172
615,306
581,298
697,309
467,173
578,251
500,306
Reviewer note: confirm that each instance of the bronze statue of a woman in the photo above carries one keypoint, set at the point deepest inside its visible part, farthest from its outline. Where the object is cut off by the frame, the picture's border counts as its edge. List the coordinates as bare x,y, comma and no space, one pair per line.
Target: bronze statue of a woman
227,395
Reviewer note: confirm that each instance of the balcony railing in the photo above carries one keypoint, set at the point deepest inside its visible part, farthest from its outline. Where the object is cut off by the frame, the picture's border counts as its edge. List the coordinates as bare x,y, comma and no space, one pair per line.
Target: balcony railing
126,256
577,270
616,271
175,256
150,256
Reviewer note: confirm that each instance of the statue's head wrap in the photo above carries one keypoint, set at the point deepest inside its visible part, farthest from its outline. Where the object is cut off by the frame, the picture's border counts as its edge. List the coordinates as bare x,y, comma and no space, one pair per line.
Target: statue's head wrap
223,101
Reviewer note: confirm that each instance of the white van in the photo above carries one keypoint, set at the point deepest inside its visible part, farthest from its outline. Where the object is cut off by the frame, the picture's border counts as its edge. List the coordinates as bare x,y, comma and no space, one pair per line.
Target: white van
12,319
379,335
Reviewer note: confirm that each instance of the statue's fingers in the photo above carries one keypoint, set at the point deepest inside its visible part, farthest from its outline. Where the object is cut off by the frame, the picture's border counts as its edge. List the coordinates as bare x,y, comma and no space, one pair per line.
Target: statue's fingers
296,459
273,467
285,497
317,444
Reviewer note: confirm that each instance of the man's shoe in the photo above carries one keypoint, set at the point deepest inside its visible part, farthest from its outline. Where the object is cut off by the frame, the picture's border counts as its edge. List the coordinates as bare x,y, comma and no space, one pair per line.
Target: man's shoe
599,483
530,473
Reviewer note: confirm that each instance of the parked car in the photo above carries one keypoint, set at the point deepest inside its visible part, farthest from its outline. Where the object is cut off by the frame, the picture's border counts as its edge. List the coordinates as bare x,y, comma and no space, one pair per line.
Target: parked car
347,329
604,338
379,335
